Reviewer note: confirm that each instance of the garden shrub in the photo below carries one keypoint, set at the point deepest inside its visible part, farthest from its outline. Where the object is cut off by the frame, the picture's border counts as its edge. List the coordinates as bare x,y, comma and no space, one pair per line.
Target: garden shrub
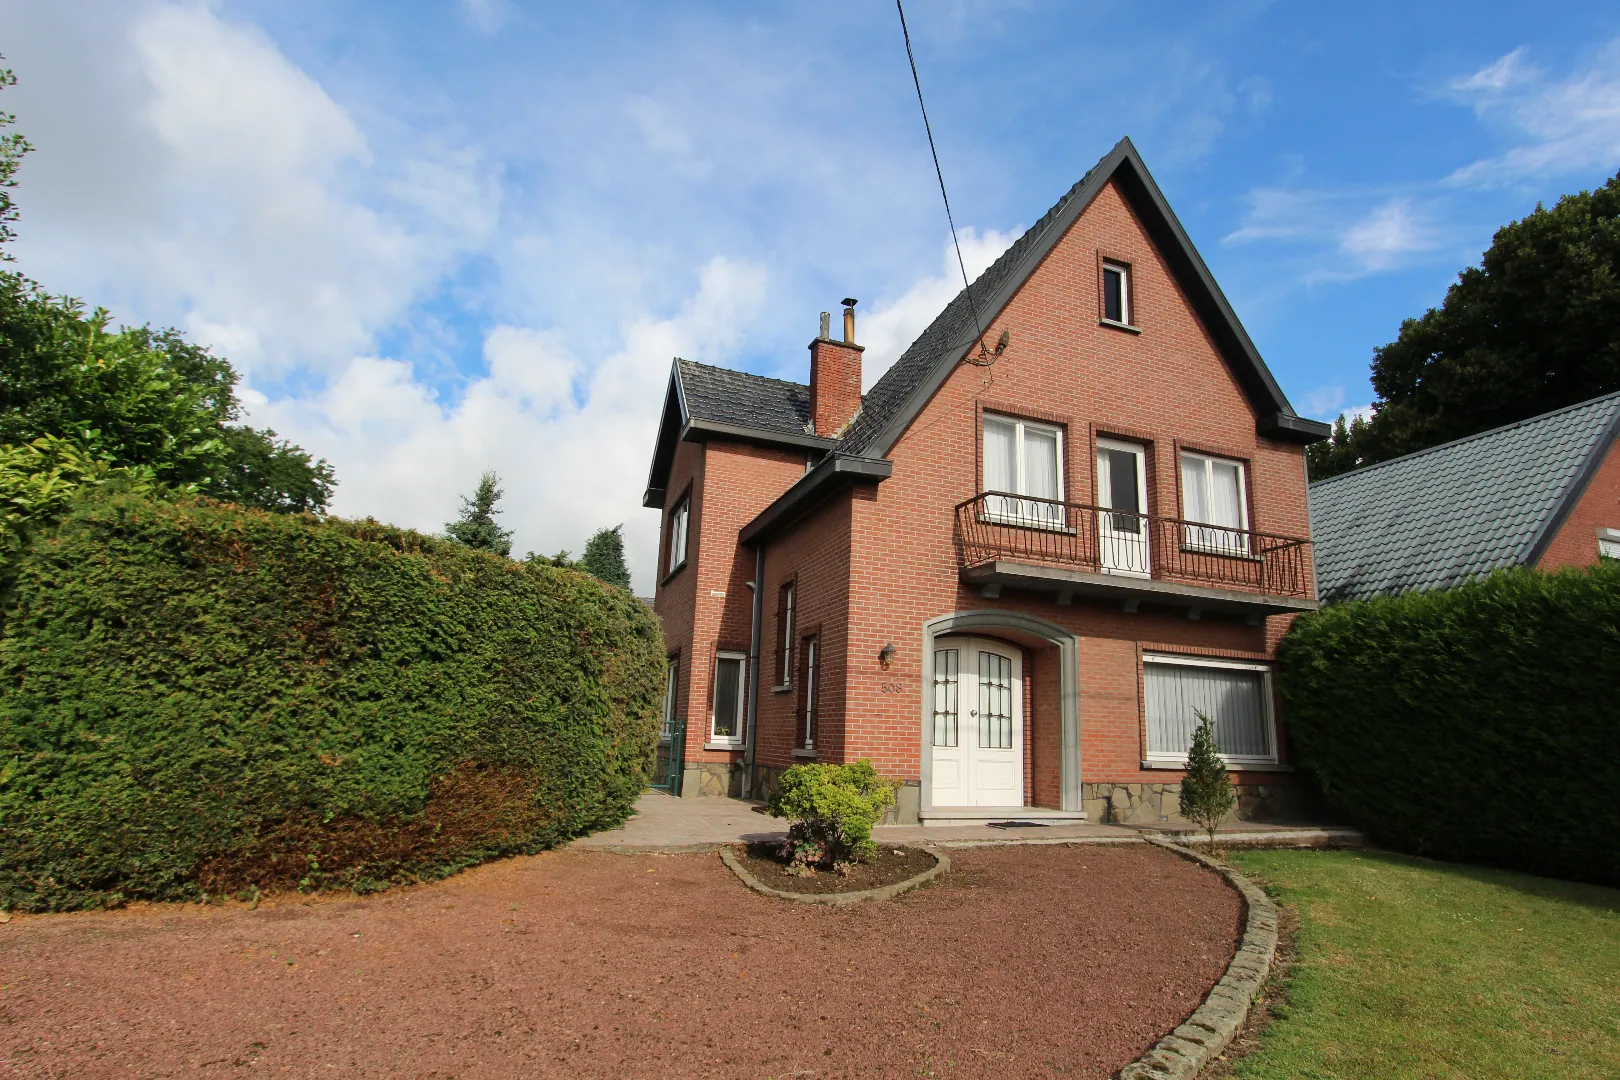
831,810
200,699
1479,723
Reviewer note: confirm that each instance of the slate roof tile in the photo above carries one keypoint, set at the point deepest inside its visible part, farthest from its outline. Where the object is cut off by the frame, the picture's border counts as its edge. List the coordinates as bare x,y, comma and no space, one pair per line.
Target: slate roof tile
736,397
1430,519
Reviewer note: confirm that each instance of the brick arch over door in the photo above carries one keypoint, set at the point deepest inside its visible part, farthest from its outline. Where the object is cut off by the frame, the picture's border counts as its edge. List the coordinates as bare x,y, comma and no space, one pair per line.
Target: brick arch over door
1036,632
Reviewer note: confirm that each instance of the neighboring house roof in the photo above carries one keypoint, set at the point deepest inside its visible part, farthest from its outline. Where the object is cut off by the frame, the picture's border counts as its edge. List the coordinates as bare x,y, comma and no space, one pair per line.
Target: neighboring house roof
705,399
1431,519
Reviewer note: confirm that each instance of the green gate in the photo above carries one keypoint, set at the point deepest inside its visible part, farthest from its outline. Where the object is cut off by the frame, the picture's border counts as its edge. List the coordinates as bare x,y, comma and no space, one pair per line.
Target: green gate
670,755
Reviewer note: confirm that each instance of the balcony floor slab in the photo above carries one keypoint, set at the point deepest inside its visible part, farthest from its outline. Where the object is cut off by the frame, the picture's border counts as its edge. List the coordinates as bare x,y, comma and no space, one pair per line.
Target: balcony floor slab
1124,588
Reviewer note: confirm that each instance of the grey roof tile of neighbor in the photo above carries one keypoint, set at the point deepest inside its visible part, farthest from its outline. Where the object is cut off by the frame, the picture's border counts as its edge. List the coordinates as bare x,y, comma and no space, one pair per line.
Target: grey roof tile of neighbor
1431,519
736,397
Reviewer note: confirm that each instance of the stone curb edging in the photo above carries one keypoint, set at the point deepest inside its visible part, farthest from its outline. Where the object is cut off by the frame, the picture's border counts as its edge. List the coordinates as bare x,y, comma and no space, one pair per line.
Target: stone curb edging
887,892
1183,1053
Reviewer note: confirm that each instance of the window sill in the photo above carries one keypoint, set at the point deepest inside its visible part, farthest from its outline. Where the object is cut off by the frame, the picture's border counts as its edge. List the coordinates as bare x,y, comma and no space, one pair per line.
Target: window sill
1225,553
728,747
1180,764
667,578
781,688
1026,523
1127,327
800,753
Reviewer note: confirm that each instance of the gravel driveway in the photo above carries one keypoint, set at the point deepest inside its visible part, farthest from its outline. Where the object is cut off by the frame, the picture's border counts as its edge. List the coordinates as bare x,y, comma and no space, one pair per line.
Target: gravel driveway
1023,962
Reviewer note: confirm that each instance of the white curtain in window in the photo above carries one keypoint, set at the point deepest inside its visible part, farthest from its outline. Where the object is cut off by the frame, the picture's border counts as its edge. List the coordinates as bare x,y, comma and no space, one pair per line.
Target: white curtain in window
1001,465
1212,492
1194,493
1233,698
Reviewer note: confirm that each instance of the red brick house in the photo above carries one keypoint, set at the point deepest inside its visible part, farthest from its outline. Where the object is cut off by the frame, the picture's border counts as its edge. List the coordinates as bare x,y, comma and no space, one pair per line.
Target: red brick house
1011,571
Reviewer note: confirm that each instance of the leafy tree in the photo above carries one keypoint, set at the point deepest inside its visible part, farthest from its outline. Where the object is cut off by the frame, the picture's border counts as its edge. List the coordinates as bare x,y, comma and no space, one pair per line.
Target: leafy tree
38,479
1534,327
263,470
604,556
12,148
1206,790
477,528
140,398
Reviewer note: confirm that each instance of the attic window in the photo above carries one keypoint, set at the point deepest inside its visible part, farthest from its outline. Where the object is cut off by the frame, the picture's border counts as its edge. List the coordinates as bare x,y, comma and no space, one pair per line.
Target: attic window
1116,282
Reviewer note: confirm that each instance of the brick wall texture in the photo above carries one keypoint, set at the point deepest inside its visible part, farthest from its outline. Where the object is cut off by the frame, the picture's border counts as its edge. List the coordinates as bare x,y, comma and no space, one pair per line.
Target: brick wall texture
872,566
1598,508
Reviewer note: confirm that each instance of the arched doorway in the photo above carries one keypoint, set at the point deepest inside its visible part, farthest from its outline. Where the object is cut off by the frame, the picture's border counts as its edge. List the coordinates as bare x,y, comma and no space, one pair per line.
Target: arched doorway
972,752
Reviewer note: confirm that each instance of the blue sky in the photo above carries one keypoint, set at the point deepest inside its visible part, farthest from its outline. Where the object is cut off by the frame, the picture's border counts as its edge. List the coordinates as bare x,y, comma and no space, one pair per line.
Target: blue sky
445,236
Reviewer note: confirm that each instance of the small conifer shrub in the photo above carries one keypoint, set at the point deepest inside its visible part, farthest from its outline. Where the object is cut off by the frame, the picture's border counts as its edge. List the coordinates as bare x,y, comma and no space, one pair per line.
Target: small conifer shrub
1206,790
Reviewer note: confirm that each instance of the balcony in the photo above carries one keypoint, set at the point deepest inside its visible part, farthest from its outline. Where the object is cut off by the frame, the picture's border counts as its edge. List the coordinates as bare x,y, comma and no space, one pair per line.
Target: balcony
1075,550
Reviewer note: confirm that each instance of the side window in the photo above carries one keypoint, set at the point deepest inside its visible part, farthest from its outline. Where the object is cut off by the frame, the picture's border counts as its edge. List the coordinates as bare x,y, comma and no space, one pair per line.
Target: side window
730,691
1024,458
785,600
679,518
809,693
1609,543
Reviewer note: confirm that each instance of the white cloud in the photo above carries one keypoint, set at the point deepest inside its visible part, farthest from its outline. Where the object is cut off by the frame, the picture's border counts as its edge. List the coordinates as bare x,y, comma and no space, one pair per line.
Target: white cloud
1358,412
1561,126
894,324
1384,238
262,221
1324,401
486,15
571,440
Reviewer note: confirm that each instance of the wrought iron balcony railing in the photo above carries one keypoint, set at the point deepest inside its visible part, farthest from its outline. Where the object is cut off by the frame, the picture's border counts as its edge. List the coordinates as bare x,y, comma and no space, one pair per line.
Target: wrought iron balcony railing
995,527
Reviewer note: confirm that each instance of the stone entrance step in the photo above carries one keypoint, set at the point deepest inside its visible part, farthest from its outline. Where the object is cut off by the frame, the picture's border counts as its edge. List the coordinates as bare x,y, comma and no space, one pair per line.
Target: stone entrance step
987,815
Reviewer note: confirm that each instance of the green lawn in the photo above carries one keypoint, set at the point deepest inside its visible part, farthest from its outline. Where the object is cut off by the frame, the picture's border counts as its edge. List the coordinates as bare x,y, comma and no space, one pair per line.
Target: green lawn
1415,969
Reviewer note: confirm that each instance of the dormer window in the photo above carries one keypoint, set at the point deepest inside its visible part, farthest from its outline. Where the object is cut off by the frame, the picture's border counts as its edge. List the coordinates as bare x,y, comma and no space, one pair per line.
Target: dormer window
1116,279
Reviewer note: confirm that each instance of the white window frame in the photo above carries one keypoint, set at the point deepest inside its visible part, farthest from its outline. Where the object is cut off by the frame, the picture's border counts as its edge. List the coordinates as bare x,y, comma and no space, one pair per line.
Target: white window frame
680,523
785,640
1239,545
1124,272
730,742
1269,717
809,711
1609,543
1029,521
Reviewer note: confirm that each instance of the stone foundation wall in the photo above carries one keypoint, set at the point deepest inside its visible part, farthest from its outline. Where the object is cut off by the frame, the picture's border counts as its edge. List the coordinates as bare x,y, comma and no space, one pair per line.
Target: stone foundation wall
1157,804
711,778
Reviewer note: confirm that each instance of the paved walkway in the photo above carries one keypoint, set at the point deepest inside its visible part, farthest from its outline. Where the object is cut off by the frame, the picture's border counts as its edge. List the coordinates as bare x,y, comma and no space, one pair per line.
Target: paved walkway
666,823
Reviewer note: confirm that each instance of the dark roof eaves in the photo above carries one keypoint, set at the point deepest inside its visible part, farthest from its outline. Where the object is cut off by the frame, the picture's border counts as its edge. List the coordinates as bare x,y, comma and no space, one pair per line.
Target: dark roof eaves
1595,456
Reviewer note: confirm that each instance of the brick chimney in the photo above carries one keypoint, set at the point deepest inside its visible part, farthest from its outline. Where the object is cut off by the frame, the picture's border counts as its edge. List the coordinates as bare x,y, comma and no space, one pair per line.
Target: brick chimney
835,376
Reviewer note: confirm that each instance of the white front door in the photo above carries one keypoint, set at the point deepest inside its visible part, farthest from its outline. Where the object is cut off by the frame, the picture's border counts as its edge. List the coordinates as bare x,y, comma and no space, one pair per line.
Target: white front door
1122,536
977,727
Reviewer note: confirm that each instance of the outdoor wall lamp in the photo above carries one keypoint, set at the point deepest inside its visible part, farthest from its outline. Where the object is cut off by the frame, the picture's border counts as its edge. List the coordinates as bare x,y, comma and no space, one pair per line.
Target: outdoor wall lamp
886,655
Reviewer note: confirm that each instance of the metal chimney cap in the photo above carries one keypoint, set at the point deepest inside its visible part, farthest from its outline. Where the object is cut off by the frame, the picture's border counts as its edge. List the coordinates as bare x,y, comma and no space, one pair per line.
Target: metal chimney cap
850,301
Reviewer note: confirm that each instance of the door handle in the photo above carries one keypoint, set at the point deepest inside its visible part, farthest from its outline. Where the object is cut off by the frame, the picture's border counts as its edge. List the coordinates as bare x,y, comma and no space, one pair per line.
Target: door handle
973,712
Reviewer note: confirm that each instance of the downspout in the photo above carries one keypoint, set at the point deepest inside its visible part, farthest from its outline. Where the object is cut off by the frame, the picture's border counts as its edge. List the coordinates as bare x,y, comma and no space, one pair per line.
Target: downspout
753,671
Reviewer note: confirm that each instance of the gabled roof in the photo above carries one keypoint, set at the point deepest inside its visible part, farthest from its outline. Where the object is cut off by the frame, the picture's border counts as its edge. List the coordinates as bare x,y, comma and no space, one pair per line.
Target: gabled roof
1430,519
704,400
905,388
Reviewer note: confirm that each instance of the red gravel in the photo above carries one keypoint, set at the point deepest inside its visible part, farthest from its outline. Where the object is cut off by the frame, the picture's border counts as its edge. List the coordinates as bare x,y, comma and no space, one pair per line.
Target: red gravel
1022,962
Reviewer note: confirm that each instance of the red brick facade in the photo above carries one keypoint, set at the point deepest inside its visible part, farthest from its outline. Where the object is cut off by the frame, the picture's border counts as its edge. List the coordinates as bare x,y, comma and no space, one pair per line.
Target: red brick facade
873,565
1598,508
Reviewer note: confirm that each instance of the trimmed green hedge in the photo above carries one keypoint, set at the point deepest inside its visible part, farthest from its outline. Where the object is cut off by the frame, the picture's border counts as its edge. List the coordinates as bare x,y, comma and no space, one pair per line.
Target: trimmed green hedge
1480,723
198,699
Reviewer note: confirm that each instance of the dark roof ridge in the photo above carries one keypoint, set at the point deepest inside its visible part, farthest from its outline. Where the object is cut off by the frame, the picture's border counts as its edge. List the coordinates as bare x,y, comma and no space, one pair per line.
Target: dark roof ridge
1549,414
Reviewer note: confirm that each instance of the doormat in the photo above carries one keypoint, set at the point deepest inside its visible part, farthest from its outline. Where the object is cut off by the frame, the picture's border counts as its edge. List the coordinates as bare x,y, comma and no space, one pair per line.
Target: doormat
1016,825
